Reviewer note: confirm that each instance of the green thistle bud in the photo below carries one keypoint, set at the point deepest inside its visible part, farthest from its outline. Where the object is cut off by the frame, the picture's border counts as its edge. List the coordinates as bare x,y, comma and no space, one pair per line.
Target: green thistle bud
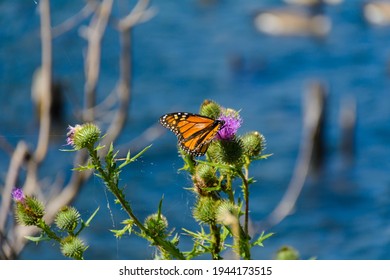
226,212
83,136
287,253
210,109
253,143
157,225
67,219
29,212
203,178
205,210
73,247
227,151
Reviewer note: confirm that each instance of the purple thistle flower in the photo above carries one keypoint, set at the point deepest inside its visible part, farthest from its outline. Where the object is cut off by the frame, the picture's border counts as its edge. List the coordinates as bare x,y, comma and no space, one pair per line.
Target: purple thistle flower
18,195
70,134
232,122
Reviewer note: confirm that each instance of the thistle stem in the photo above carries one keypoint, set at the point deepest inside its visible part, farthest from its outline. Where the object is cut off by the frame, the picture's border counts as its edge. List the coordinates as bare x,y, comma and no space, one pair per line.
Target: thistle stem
245,186
216,242
112,184
42,225
229,189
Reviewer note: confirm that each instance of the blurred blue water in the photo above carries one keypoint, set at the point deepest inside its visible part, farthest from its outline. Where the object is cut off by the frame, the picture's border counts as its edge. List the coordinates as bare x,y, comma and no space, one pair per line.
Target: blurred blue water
187,53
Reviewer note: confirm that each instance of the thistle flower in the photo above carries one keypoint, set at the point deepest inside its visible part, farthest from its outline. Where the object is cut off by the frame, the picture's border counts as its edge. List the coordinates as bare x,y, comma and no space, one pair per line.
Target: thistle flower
157,225
73,247
82,136
70,135
253,143
18,195
210,109
205,210
204,178
287,253
232,122
28,210
67,218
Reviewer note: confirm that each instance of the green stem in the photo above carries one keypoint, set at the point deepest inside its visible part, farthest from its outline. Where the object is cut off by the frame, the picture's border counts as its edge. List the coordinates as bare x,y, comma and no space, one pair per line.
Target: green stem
245,186
111,184
51,234
216,242
229,188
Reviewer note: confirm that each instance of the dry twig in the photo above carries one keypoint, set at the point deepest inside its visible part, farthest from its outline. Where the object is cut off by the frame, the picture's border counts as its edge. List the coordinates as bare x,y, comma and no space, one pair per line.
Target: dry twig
13,241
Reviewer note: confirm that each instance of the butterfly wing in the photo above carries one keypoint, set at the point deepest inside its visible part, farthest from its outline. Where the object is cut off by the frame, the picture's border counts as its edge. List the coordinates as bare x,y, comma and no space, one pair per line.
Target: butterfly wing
194,132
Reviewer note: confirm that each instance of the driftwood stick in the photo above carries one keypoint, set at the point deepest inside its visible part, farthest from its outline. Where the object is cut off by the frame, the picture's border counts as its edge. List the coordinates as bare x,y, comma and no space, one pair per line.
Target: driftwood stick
139,13
94,36
44,118
348,129
17,160
9,237
314,110
74,20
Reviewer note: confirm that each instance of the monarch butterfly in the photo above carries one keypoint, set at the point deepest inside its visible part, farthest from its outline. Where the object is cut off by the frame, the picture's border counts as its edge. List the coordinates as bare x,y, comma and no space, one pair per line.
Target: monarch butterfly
194,132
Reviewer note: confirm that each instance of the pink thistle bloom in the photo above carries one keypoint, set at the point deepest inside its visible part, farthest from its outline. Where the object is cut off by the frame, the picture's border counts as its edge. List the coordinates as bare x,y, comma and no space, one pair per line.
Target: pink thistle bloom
232,123
18,195
71,133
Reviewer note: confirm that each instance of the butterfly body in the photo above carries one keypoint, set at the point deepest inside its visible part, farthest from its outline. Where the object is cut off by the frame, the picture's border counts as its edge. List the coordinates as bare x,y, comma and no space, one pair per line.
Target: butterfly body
194,132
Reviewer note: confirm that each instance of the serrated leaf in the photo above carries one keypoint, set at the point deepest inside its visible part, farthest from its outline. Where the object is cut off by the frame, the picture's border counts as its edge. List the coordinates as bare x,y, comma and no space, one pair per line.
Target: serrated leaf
259,241
126,162
251,181
129,223
37,238
118,233
140,153
86,224
129,159
261,157
91,217
99,147
89,166
160,207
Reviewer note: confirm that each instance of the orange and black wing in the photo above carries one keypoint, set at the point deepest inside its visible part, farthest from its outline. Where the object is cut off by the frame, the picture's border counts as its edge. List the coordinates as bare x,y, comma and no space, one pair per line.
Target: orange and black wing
194,132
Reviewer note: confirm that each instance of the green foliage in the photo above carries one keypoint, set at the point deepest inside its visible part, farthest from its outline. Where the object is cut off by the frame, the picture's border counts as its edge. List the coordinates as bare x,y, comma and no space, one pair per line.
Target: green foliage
227,152
221,211
86,136
253,143
29,212
287,253
157,225
73,247
205,210
210,109
215,181
67,219
127,228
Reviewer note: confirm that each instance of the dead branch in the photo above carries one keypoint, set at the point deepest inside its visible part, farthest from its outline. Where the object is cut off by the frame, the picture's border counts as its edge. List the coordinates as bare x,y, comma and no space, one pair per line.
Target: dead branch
44,129
314,110
94,35
140,13
74,20
15,244
17,160
8,238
